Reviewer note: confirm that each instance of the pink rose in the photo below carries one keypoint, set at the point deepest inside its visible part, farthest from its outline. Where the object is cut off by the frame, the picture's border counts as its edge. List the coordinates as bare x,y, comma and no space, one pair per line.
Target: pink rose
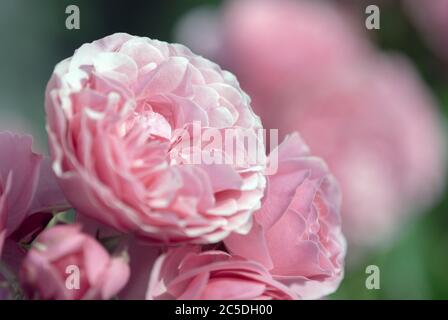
27,185
188,274
48,197
120,113
380,132
19,175
297,232
273,44
64,251
141,256
3,218
369,116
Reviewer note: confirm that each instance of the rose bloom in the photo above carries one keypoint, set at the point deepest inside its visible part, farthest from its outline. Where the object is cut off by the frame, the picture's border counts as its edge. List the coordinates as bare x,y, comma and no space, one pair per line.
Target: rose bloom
3,218
19,175
28,193
297,232
187,274
119,114
27,184
369,116
45,272
275,45
141,256
431,19
379,131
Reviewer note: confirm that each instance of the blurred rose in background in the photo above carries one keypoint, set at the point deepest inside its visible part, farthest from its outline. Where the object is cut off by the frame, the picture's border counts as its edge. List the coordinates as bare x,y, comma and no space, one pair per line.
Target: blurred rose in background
309,68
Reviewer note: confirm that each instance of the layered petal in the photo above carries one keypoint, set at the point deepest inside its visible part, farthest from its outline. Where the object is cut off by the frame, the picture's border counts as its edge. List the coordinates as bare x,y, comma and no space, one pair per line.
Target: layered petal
297,231
187,274
137,136
19,174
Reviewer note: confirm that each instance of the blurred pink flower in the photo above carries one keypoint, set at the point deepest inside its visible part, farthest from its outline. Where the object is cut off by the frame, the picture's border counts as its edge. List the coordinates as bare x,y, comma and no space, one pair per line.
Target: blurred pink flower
48,197
297,232
187,274
379,131
13,252
44,273
431,18
3,217
141,256
27,184
275,45
119,109
19,176
369,116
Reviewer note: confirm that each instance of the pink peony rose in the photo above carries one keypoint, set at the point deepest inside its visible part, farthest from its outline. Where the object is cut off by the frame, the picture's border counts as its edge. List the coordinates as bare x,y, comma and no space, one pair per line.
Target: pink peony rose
187,274
297,232
120,113
57,251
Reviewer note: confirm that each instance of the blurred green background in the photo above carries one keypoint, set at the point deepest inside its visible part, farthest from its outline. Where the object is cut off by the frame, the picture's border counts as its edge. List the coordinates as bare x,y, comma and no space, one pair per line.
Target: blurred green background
34,38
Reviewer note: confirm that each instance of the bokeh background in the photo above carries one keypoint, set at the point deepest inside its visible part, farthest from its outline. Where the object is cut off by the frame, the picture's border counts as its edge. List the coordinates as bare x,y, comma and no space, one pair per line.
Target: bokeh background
33,37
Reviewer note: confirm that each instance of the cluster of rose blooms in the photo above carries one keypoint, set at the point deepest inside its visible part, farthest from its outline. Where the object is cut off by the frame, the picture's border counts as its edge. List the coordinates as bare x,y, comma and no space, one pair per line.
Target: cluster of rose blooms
309,66
149,227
